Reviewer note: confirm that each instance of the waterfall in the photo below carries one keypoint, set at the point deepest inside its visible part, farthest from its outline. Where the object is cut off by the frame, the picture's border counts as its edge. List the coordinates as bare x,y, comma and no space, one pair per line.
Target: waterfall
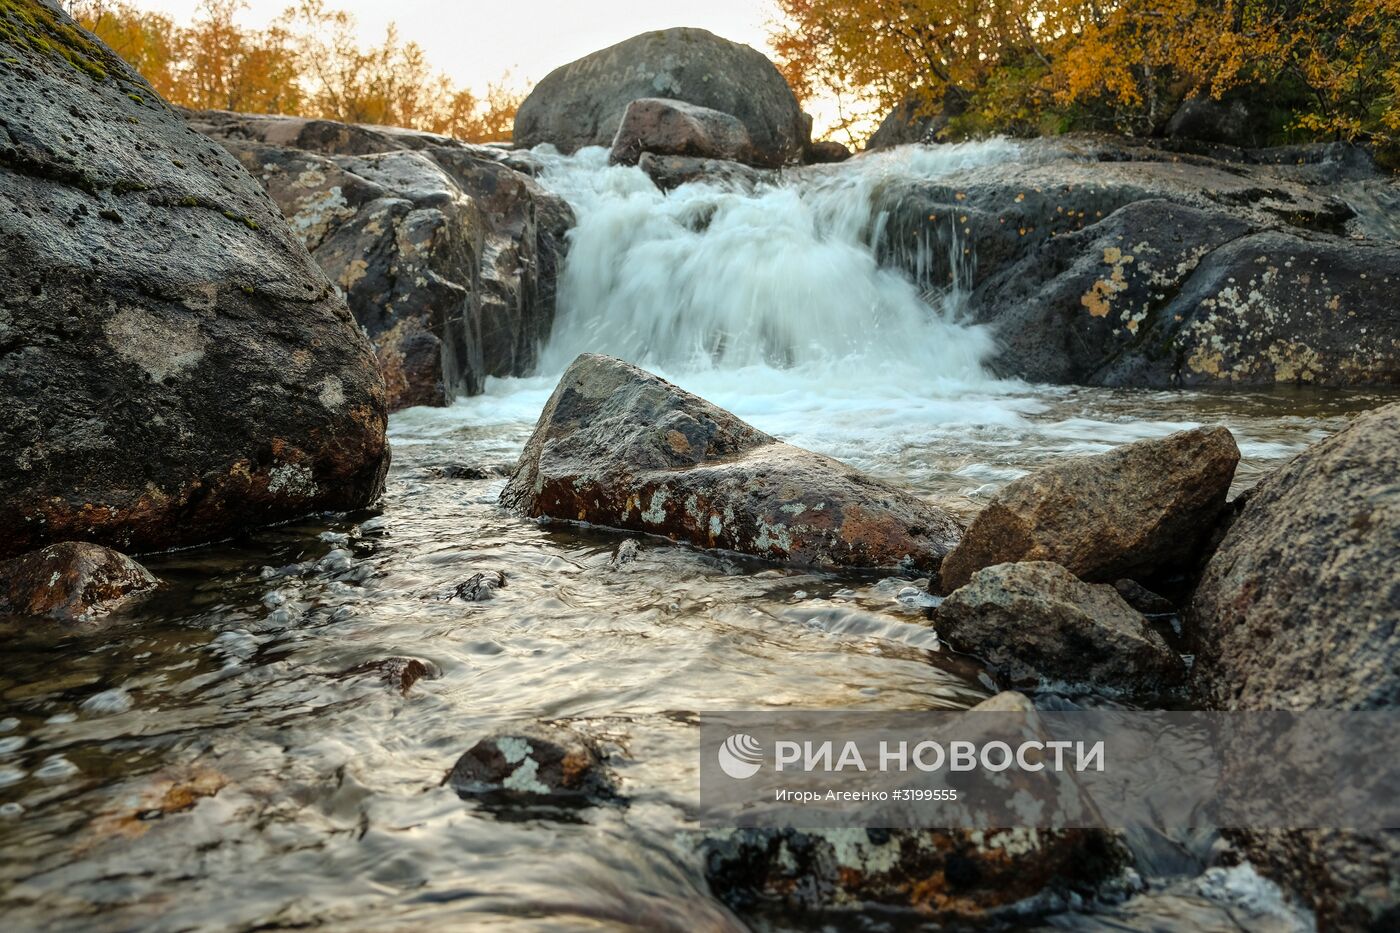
714,277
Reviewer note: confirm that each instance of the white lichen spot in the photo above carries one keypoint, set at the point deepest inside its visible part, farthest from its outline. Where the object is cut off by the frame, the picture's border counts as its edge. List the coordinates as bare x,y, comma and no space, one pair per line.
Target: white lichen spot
853,849
525,779
716,526
656,512
161,345
514,749
291,480
332,394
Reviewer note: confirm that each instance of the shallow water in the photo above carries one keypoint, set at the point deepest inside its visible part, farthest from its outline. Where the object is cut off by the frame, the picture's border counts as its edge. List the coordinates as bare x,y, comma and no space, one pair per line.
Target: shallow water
203,759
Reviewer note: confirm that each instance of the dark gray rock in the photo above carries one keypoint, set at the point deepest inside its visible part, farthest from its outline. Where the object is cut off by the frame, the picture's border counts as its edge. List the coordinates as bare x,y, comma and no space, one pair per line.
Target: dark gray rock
826,152
174,366
1144,510
1298,610
542,762
913,121
673,127
669,172
70,582
582,103
447,255
1036,622
957,878
620,447
1114,262
1228,122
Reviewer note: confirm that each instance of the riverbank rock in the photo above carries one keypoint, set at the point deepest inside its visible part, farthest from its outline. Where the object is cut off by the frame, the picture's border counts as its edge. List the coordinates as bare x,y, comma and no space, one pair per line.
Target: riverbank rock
1297,610
825,152
71,582
1036,622
174,366
582,103
956,877
673,127
620,447
1143,511
544,762
447,255
1106,261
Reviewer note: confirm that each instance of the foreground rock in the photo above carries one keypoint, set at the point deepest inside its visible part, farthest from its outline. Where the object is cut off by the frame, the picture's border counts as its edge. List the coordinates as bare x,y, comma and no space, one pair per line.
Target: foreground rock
617,446
536,762
71,582
1141,511
447,254
582,103
173,365
949,876
1297,610
673,127
1036,622
1105,261
669,172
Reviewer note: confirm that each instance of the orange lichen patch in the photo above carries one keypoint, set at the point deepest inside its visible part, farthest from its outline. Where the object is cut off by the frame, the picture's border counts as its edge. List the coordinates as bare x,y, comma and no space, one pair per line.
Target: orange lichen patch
575,768
678,442
163,797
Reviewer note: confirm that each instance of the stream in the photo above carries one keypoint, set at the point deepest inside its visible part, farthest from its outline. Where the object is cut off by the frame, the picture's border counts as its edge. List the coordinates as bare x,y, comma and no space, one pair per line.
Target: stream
214,756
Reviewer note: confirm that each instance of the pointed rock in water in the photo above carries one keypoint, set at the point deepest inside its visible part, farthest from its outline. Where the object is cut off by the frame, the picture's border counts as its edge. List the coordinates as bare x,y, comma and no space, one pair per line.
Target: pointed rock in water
480,587
400,673
1143,511
536,761
71,582
181,375
1036,621
626,554
620,447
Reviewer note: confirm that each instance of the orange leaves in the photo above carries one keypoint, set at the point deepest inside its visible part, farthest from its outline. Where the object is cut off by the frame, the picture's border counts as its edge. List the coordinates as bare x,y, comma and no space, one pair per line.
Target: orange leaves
307,63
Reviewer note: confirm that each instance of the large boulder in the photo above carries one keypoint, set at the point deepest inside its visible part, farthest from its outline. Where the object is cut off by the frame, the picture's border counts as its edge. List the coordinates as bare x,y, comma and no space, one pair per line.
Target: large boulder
70,582
673,127
174,366
1297,610
582,103
1036,622
447,254
1143,511
620,447
1298,606
1112,262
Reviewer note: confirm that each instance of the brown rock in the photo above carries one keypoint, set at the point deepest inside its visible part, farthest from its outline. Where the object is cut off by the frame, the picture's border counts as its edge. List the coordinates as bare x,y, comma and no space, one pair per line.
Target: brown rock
826,151
400,673
71,582
620,447
1036,621
1141,511
673,127
535,761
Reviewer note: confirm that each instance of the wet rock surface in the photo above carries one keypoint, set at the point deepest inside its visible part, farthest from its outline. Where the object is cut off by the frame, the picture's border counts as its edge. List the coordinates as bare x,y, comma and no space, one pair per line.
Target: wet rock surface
1297,610
533,762
956,877
825,152
1141,511
1104,261
620,447
582,103
669,172
71,582
174,366
1036,622
399,673
673,127
447,253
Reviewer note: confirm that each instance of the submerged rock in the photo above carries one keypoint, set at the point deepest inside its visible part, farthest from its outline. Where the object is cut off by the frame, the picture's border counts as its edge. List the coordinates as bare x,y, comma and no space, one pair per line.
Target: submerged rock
399,673
620,447
1035,622
71,582
673,127
447,255
480,587
1297,610
1143,511
948,876
173,365
533,762
582,103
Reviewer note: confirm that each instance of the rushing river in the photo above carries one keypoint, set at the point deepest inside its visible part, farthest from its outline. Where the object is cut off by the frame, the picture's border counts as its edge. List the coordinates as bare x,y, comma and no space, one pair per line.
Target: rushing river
209,758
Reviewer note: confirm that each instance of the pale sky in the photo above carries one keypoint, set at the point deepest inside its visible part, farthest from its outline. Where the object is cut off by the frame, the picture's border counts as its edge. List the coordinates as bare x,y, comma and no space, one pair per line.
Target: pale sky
475,42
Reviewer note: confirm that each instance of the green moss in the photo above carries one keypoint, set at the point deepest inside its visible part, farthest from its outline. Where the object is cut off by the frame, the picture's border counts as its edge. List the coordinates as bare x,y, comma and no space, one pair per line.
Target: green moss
137,97
28,24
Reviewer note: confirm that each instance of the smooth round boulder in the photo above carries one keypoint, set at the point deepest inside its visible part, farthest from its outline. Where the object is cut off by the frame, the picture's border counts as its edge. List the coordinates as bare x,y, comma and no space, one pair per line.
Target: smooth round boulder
582,103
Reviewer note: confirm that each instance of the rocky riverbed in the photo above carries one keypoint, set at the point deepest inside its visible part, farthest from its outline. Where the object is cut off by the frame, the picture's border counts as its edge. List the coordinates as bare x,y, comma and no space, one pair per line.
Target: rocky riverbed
678,425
